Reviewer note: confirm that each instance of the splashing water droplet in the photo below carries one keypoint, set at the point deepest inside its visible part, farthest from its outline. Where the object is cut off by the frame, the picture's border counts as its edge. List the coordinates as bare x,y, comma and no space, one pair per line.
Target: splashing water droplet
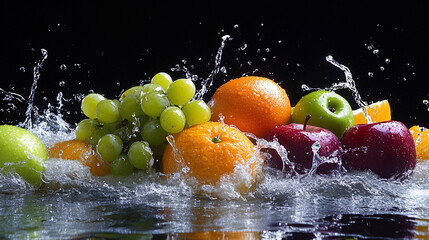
22,69
426,103
349,84
208,82
370,74
62,83
28,123
244,46
63,67
376,51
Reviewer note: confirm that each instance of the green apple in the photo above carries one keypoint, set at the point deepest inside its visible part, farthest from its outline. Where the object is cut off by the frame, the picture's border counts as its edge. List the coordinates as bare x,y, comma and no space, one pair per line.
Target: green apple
327,109
23,153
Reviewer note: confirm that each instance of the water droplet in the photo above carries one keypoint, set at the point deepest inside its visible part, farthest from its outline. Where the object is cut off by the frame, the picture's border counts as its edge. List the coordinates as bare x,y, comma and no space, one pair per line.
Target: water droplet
63,67
226,37
243,47
370,74
404,78
387,60
223,69
78,65
267,50
62,83
426,102
375,51
22,69
186,169
381,68
236,26
264,59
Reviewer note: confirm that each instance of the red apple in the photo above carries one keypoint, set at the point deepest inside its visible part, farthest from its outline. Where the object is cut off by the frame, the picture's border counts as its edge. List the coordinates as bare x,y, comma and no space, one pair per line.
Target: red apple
386,148
298,140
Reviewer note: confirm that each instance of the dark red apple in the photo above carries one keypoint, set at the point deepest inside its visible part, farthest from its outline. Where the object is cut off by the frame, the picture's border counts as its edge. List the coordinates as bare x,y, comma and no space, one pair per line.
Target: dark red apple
386,148
298,140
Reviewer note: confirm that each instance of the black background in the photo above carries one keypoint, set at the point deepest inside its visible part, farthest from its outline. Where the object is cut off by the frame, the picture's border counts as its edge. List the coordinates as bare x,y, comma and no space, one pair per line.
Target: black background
109,46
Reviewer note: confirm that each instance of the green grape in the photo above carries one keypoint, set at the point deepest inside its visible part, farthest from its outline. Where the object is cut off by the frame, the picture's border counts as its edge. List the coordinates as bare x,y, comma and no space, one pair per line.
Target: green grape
172,119
99,132
109,147
111,127
136,90
139,121
121,166
162,79
152,87
153,133
140,155
181,91
89,103
85,129
107,111
128,134
196,112
154,103
130,107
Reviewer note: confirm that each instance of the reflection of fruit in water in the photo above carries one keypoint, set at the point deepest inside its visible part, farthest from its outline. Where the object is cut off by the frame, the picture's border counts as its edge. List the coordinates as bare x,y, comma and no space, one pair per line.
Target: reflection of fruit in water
83,152
421,139
379,112
205,154
252,104
215,235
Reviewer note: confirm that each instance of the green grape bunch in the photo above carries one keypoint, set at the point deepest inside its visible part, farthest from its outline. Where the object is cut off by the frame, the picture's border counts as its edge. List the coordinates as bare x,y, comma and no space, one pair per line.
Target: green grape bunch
125,131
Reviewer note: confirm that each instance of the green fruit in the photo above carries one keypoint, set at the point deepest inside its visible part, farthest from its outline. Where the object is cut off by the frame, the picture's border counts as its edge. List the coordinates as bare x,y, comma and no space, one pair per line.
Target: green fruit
23,153
327,109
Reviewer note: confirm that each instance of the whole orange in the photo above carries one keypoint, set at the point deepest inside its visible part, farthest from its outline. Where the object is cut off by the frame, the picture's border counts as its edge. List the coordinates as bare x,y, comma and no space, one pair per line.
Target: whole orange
83,152
208,150
252,104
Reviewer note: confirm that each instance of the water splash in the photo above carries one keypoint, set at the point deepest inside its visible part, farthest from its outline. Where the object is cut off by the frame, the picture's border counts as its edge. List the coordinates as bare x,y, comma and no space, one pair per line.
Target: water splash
206,83
28,123
348,84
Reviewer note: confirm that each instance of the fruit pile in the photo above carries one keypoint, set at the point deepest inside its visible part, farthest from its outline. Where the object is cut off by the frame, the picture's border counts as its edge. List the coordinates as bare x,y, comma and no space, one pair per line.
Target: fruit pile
209,142
128,131
321,133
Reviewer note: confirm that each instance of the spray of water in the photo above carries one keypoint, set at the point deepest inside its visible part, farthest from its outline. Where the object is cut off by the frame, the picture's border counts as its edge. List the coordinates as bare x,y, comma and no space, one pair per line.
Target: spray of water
206,83
28,123
348,84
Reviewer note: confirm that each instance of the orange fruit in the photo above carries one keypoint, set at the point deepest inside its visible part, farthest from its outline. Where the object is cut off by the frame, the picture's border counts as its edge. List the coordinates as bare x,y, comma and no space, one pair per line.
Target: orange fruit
421,139
83,152
252,104
208,150
379,112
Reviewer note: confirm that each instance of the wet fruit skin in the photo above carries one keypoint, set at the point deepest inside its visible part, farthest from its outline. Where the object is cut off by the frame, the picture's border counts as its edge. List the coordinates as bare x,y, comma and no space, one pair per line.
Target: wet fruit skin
252,104
23,153
386,148
298,144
